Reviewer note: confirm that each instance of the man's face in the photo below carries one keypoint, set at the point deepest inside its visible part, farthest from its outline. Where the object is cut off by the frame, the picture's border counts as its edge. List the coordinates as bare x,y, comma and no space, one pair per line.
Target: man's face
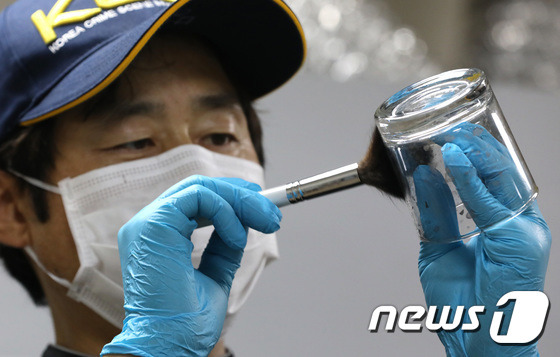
174,93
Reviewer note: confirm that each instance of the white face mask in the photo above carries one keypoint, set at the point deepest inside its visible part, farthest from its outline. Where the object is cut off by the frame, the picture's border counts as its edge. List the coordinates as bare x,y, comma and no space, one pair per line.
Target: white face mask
99,202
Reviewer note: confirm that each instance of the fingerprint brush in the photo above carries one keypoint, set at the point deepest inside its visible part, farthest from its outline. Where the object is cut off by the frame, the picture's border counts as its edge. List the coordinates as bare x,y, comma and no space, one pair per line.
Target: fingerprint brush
375,169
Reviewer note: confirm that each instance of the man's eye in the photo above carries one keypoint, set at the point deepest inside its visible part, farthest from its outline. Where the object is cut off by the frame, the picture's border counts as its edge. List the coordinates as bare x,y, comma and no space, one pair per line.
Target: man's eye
220,139
135,145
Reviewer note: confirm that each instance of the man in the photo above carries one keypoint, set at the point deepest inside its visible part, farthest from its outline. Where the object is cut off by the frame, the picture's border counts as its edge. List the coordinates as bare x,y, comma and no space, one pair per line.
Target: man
176,92
100,114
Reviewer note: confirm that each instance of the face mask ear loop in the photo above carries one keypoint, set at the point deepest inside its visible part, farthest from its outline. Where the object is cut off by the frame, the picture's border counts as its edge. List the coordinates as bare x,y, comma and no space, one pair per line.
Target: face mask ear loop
57,279
36,183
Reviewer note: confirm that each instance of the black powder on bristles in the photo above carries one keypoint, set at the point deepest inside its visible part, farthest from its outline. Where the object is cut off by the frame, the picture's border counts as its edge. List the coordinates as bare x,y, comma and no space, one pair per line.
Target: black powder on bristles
376,168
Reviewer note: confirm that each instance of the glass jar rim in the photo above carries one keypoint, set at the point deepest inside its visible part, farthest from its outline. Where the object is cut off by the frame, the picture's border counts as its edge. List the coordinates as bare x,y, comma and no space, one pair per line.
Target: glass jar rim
431,104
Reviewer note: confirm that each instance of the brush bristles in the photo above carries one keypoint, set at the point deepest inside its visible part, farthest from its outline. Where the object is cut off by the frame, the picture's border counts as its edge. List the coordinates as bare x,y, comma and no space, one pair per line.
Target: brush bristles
376,168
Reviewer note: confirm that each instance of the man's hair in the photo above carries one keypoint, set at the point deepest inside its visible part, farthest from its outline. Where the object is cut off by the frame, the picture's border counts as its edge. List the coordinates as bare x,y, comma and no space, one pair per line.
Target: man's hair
29,151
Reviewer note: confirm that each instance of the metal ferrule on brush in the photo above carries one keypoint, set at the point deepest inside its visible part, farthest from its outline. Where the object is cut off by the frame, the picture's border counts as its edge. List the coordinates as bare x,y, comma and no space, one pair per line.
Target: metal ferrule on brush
315,186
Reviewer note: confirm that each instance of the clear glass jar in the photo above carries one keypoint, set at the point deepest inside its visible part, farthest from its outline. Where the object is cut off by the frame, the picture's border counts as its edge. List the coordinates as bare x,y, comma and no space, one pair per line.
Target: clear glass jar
419,119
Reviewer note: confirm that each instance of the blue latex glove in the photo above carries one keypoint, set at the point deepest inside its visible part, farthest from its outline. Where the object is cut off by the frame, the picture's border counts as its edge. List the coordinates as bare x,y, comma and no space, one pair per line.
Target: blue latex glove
171,308
508,256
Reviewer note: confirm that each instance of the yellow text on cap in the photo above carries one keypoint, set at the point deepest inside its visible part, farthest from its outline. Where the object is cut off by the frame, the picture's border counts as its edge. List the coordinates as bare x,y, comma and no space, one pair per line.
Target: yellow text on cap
45,24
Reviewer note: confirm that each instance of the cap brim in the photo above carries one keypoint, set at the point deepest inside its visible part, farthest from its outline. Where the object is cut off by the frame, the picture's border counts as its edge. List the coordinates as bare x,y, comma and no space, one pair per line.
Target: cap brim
262,41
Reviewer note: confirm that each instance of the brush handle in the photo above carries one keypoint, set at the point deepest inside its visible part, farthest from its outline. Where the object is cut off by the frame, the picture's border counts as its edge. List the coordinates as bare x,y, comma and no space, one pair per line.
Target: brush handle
314,186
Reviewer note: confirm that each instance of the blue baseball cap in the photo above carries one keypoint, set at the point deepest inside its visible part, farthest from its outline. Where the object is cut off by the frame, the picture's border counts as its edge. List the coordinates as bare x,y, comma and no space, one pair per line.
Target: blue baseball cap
56,54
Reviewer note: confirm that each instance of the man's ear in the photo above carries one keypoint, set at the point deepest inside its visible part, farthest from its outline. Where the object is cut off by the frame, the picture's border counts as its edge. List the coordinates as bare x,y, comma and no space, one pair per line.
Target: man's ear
14,230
